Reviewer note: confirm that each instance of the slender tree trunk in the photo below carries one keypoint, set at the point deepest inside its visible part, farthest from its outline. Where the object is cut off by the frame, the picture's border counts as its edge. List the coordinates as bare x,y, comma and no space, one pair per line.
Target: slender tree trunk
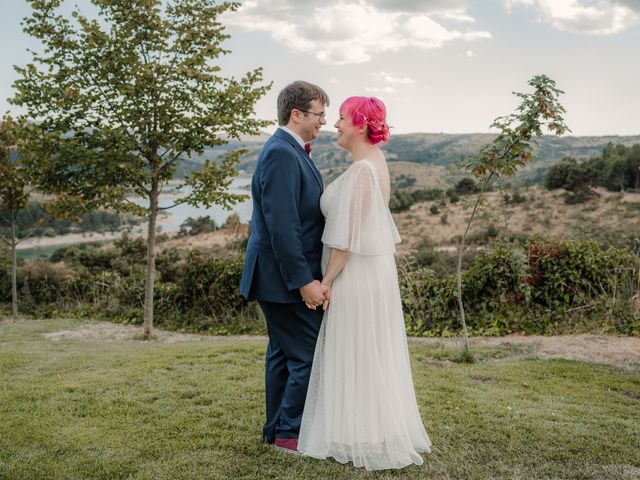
459,267
459,285
14,269
151,261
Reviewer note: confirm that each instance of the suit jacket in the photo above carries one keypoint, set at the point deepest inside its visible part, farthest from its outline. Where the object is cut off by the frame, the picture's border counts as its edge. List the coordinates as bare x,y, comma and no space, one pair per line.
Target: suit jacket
285,247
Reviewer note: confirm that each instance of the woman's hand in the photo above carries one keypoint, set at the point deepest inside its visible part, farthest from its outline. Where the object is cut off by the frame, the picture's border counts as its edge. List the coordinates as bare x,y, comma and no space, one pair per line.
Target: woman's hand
326,289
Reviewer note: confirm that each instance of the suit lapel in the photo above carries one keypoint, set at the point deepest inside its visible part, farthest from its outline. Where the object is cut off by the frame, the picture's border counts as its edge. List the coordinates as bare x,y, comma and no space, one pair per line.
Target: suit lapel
301,153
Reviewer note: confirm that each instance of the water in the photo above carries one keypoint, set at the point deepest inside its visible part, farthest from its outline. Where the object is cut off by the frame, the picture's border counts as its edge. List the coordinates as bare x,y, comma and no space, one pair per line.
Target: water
171,220
176,216
35,252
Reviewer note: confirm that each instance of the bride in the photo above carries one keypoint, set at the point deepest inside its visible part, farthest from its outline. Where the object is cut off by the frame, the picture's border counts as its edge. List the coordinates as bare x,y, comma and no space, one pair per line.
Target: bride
361,406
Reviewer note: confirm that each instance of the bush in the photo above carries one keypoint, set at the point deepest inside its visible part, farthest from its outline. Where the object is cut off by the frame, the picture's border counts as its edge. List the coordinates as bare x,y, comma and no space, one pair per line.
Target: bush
429,303
210,285
466,186
196,226
543,287
515,198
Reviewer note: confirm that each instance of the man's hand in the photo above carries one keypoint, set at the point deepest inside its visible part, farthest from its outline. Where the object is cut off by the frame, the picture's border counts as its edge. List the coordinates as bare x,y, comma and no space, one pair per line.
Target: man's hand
312,294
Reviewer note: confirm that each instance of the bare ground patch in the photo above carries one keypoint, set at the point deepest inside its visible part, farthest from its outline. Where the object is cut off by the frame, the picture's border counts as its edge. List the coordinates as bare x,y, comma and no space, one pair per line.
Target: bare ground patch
117,333
613,350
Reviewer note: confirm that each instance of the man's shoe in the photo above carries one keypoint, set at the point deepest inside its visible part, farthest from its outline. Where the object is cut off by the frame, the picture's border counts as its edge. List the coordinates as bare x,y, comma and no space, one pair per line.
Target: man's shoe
289,445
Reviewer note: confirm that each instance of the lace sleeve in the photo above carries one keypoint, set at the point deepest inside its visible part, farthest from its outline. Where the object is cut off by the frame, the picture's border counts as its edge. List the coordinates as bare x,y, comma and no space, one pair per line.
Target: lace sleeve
359,219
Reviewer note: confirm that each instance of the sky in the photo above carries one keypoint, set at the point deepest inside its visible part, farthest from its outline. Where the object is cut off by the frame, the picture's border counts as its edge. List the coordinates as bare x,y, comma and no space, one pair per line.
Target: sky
439,65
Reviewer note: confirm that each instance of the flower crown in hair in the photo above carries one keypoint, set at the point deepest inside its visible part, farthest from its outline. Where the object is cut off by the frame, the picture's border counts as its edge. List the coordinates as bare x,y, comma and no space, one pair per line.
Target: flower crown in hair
378,123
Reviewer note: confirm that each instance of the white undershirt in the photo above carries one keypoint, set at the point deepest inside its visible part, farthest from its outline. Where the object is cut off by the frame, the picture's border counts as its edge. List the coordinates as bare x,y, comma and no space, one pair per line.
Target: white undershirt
294,135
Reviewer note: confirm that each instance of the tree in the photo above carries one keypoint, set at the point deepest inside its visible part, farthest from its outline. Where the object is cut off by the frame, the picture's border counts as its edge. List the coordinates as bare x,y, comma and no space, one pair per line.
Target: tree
122,99
465,186
14,192
510,150
558,174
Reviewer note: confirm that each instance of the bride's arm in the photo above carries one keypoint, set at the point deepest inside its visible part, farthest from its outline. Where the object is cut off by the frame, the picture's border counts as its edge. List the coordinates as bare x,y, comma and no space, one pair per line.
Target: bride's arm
337,260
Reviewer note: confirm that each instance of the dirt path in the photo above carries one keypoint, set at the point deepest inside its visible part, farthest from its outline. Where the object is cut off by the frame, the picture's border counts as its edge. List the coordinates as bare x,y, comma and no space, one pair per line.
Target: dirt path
613,350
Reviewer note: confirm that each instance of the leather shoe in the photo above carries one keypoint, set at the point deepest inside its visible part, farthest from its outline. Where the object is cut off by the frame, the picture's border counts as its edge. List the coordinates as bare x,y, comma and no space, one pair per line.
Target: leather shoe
288,444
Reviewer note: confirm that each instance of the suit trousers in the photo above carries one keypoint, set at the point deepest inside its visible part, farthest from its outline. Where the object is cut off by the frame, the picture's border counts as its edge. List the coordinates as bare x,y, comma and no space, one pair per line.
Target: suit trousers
293,332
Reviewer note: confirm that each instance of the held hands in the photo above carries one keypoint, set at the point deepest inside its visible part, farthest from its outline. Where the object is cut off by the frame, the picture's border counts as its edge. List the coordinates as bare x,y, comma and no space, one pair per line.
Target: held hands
313,294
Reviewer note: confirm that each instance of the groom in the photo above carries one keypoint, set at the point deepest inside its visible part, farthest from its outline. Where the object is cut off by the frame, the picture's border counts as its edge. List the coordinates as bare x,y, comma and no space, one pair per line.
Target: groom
282,263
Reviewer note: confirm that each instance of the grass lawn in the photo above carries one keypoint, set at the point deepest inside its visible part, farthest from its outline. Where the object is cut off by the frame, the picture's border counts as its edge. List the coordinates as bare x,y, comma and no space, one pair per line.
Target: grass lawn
78,408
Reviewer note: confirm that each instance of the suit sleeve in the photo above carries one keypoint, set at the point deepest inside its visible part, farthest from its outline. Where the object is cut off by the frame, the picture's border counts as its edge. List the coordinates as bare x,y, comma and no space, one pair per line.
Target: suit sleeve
281,186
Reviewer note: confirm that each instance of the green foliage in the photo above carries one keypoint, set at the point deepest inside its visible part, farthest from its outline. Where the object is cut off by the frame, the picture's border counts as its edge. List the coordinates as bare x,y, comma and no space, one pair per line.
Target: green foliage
209,285
34,219
14,194
510,150
122,99
401,200
196,293
196,226
616,169
404,181
466,186
544,286
428,302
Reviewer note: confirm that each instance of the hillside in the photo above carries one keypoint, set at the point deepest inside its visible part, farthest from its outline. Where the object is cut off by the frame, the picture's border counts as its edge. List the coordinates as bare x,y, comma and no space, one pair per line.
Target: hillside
544,212
441,149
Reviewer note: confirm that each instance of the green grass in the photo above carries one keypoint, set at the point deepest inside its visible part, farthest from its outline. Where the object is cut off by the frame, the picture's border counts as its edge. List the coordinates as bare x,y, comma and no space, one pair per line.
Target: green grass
89,409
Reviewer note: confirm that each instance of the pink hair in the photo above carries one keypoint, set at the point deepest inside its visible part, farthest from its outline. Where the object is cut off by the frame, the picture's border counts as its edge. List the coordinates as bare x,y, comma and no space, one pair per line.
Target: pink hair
369,111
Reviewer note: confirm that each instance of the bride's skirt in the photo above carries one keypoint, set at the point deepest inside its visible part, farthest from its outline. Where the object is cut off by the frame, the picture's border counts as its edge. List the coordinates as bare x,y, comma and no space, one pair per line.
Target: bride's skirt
361,405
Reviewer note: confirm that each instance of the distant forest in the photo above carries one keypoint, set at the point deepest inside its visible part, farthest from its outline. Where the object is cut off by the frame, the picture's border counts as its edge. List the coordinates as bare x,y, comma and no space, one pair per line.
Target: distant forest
36,215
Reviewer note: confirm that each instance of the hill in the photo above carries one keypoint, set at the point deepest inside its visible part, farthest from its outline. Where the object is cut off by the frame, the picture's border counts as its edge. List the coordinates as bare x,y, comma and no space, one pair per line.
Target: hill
440,149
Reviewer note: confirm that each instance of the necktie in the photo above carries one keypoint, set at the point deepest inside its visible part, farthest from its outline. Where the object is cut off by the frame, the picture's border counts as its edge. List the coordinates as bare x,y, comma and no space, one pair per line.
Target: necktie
307,148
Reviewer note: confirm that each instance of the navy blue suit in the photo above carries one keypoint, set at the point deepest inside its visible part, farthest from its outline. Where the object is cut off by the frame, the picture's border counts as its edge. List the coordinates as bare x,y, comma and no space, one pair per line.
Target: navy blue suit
283,254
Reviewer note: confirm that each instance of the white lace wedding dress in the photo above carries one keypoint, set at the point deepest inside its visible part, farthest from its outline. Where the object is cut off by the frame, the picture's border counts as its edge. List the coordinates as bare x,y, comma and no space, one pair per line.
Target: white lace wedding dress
361,405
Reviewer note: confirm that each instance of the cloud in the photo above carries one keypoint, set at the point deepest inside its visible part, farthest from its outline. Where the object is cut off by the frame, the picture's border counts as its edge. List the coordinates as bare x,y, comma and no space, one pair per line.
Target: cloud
392,79
388,82
354,31
385,89
599,17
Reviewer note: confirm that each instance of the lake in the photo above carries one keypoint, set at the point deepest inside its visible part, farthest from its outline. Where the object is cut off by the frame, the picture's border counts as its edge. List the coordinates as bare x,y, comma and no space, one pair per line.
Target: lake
169,221
176,216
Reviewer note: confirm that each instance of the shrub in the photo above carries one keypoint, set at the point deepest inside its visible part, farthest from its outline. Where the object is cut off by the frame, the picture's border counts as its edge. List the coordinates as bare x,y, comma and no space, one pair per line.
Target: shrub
196,226
543,287
210,285
466,186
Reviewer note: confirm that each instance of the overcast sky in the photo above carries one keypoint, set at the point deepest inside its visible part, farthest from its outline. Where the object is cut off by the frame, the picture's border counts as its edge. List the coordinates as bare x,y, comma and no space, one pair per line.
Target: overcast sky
439,65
